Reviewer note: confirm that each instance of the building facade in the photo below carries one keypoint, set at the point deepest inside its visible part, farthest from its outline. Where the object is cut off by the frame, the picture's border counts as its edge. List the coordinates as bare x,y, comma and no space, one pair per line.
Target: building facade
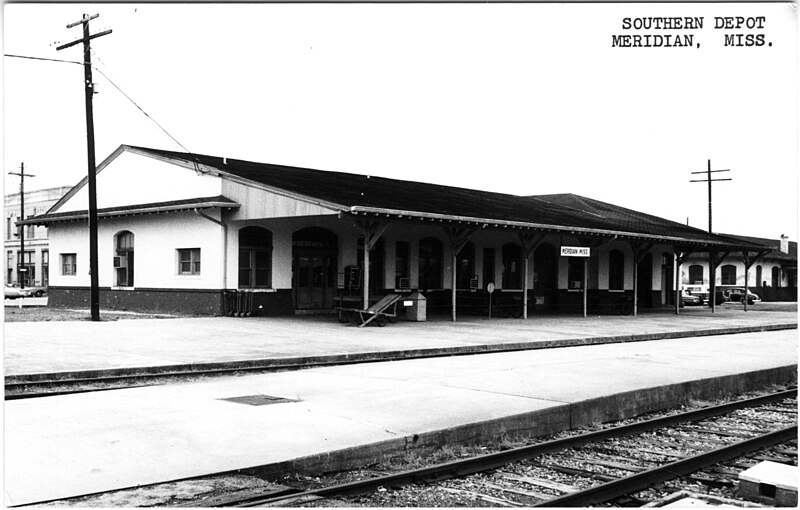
772,276
216,233
35,259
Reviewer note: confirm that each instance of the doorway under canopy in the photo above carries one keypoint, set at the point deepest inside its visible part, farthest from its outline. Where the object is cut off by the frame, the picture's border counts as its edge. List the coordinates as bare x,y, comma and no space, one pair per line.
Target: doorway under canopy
314,260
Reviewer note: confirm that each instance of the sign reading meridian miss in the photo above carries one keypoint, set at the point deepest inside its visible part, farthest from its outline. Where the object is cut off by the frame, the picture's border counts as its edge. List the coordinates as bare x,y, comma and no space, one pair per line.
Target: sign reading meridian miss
574,251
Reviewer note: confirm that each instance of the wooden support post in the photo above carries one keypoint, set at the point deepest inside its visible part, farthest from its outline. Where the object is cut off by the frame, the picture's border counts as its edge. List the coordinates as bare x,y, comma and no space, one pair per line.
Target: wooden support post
453,284
372,230
529,243
585,286
746,276
679,256
365,277
712,282
639,251
635,285
713,263
458,239
749,261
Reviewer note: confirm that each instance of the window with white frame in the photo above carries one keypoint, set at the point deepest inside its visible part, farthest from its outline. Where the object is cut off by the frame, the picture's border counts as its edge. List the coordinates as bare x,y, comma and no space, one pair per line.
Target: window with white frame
189,261
69,264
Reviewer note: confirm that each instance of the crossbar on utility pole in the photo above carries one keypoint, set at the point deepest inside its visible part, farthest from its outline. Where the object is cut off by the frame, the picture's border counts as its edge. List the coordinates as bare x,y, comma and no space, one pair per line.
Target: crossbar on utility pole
94,295
21,261
712,278
709,180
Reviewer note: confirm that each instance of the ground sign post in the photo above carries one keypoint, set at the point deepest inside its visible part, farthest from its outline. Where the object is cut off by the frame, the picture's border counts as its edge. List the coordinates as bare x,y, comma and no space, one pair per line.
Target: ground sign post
580,251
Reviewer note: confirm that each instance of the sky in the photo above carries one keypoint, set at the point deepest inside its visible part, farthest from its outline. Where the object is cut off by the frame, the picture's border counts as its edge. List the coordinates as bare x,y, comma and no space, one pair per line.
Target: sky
525,99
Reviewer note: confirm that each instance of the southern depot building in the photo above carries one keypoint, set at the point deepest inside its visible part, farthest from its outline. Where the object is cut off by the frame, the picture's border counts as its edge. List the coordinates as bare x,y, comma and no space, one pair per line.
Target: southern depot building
294,240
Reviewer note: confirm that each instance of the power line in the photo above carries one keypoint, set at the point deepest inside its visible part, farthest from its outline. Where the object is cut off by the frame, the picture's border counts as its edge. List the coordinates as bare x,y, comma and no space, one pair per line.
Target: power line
154,121
141,109
45,59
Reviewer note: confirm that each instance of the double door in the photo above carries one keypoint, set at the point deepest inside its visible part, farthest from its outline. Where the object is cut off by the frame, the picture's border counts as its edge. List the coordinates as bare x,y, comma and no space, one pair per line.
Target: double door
314,281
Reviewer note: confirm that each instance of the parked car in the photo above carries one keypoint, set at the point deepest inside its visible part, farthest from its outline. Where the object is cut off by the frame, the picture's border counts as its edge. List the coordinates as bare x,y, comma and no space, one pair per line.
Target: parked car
736,295
14,292
690,299
37,290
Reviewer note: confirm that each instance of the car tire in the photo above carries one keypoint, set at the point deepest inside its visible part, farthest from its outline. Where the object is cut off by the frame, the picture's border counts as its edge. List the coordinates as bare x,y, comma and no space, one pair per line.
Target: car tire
39,293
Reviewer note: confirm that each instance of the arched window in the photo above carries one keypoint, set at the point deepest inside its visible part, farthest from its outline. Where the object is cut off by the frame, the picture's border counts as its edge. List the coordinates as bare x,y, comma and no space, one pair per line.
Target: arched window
430,263
759,275
776,277
728,274
255,258
695,274
123,259
616,270
465,264
512,266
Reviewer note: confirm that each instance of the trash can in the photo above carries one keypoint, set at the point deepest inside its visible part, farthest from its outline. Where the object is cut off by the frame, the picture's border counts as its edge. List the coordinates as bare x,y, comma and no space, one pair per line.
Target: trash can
416,307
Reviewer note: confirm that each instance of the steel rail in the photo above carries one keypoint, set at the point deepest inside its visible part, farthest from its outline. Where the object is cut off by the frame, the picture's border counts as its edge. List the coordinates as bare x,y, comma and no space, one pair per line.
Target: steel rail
640,481
490,461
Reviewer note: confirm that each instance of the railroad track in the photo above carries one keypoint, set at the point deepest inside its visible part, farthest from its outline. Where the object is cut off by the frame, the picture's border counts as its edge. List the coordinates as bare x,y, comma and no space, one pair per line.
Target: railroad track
588,469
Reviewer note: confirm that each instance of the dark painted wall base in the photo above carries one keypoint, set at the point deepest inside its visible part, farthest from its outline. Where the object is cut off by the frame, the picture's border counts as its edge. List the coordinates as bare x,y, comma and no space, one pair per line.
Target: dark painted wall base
775,293
279,303
177,301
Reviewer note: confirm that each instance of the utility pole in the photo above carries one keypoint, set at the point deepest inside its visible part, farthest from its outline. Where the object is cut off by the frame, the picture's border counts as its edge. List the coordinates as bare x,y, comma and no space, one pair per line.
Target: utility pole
712,262
21,270
94,297
709,180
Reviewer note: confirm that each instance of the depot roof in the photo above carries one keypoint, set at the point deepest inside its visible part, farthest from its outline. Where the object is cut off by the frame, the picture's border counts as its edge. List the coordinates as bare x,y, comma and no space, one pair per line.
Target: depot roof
365,195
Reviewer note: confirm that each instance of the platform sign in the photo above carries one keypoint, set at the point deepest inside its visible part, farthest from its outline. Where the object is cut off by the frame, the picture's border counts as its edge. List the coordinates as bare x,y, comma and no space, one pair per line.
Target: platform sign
574,251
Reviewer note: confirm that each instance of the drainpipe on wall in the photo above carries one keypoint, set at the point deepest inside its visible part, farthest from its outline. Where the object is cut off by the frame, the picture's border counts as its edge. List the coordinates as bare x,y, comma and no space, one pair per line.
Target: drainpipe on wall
224,245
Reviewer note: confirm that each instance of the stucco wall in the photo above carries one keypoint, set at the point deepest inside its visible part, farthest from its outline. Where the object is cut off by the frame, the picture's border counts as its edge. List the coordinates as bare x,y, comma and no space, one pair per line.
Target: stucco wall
156,241
766,272
132,179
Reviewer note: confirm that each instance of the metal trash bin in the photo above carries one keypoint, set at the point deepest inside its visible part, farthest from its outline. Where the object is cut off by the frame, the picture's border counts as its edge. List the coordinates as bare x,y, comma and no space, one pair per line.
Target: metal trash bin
416,307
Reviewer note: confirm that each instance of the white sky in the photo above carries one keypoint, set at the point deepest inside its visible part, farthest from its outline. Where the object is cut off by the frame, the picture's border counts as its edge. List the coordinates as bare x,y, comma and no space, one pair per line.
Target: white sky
516,98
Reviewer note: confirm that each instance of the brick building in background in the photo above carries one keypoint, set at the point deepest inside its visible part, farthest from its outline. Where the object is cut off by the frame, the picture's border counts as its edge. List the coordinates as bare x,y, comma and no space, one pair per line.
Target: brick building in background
36,256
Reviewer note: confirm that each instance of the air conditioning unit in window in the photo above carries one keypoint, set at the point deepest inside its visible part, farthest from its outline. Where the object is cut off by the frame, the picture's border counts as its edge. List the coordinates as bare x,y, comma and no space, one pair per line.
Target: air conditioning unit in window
121,262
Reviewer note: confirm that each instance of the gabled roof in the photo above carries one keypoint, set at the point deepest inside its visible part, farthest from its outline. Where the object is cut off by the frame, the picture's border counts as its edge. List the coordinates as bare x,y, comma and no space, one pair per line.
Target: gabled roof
130,210
366,195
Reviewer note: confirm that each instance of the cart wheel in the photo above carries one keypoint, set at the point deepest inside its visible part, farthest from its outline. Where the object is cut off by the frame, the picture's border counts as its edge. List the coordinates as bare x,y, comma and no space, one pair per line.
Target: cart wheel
392,319
353,317
380,320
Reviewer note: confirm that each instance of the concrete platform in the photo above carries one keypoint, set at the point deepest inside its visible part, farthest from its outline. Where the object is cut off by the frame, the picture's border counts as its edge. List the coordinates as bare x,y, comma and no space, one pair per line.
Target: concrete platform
65,446
39,349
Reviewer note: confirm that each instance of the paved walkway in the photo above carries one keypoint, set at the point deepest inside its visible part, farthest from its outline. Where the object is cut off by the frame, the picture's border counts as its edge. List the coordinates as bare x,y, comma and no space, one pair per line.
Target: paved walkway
51,347
65,446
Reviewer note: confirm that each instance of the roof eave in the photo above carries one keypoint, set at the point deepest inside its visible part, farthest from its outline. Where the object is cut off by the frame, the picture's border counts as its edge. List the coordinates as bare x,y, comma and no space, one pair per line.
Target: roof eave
83,215
377,211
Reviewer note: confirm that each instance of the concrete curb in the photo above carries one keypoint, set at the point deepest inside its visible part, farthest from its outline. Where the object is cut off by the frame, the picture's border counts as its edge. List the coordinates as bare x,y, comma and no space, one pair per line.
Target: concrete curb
296,363
538,423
